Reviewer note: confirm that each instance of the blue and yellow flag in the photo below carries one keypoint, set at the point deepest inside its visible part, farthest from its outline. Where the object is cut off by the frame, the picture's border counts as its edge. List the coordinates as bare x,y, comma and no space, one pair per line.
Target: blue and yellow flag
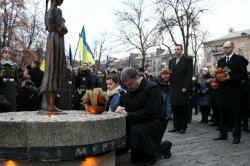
71,57
42,67
87,55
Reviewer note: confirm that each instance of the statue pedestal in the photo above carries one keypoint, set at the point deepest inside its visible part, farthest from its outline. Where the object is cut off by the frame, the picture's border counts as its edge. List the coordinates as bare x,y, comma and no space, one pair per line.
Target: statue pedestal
73,137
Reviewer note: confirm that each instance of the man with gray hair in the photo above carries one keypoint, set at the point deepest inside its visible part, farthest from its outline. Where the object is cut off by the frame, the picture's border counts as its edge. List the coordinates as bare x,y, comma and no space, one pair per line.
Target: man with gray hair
144,110
8,78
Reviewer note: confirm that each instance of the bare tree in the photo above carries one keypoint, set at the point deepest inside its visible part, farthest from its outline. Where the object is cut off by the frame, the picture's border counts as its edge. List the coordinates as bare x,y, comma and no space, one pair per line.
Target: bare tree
134,27
34,30
22,29
197,39
100,48
12,15
181,16
167,45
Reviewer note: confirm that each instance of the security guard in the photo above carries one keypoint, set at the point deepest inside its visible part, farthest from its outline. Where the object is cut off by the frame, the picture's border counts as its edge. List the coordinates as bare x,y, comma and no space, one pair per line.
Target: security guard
8,78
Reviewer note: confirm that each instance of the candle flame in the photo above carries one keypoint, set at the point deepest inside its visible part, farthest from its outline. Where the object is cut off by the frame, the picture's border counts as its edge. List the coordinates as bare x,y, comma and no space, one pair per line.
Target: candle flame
89,161
10,163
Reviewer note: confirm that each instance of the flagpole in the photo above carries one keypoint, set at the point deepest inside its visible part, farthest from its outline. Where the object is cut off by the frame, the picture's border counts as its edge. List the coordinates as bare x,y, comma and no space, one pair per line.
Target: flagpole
80,59
76,51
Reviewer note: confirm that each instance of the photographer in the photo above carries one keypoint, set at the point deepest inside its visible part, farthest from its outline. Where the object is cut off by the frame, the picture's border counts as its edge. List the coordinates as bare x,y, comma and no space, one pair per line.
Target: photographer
85,77
27,95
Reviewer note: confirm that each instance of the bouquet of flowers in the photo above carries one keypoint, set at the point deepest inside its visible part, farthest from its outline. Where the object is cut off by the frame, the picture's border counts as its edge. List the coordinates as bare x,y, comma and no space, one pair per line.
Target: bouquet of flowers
95,97
213,83
221,72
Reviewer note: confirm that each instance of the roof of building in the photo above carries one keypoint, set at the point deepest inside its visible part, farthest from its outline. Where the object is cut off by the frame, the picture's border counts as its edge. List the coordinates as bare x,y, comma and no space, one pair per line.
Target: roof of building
234,34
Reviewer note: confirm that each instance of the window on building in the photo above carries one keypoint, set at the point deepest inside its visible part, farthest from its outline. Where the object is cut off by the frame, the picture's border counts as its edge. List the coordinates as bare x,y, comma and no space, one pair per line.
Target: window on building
219,48
209,59
241,44
209,50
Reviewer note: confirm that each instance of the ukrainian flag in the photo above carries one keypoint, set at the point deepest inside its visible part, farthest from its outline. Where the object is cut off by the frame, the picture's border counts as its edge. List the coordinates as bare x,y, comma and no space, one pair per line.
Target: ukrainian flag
87,55
42,67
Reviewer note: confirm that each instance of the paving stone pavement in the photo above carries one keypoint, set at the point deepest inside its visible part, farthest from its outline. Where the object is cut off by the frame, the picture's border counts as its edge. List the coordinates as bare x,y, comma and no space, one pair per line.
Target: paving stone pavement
197,148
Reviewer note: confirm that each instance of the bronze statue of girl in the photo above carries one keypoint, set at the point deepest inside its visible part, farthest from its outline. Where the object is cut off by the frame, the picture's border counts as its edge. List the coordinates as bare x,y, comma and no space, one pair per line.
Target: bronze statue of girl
54,79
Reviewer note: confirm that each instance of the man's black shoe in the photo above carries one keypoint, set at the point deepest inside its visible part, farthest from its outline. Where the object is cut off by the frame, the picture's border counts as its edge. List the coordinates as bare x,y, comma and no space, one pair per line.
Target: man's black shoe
173,130
220,138
167,156
165,151
213,124
182,131
236,141
244,129
147,163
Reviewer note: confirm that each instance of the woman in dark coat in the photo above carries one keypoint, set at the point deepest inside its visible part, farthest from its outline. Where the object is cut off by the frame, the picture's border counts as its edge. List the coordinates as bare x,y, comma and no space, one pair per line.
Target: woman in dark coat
144,110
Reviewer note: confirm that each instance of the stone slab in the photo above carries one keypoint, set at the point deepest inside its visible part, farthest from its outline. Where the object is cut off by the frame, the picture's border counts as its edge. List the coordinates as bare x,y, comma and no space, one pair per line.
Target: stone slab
29,136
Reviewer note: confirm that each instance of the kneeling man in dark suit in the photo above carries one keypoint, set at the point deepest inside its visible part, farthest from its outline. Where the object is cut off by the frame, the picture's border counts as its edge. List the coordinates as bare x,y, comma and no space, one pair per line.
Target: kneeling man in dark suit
144,110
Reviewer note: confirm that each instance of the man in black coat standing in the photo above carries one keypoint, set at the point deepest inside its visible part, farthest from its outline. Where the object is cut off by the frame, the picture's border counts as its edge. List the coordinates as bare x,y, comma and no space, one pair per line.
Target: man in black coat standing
85,77
145,122
36,74
230,92
180,88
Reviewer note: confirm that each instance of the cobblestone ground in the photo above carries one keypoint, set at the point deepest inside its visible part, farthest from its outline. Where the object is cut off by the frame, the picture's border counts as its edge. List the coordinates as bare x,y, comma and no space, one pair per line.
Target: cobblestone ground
197,148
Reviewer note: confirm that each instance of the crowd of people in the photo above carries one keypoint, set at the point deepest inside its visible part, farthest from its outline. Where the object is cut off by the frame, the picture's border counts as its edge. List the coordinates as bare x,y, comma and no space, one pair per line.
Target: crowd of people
148,101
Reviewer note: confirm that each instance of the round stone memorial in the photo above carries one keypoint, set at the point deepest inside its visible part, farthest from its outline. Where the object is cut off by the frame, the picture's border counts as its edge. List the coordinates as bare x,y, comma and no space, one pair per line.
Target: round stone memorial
75,135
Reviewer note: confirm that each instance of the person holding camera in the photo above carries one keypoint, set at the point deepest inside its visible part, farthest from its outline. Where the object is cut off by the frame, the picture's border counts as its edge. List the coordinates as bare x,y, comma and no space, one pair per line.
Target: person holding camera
76,103
27,95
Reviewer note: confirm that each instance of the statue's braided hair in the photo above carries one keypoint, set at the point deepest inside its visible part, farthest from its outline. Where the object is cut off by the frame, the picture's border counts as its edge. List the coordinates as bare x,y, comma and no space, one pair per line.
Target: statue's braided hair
51,10
46,9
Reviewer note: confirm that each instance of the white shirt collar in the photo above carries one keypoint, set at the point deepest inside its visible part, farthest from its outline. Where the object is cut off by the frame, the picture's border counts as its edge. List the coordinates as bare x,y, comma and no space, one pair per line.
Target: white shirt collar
230,56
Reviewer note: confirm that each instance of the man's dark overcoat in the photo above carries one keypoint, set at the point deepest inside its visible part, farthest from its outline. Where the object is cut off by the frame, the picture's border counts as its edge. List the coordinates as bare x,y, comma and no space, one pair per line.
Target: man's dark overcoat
181,77
145,122
9,88
230,93
36,75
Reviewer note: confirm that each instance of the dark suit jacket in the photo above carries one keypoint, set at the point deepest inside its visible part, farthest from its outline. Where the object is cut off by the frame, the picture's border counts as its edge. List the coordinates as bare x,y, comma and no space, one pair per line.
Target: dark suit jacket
36,75
181,77
230,93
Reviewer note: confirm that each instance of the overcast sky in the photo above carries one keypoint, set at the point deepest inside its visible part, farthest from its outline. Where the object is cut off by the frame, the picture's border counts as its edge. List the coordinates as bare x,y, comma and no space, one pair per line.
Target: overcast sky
97,17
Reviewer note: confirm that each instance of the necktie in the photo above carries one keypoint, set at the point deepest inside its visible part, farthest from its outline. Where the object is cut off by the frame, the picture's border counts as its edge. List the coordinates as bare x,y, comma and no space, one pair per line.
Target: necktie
227,59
